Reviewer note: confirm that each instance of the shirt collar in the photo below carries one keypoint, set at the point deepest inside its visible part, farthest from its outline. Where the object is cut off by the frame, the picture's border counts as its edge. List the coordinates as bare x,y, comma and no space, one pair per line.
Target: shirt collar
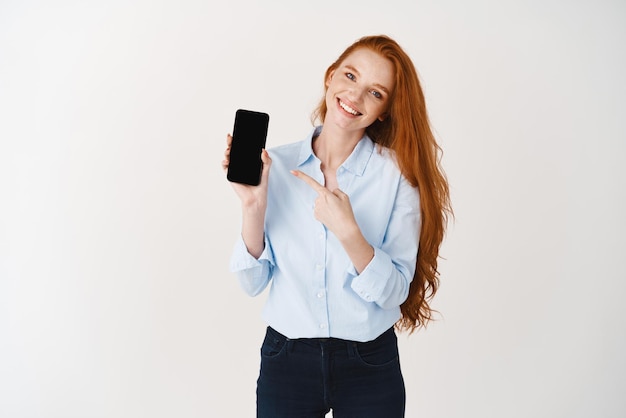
355,163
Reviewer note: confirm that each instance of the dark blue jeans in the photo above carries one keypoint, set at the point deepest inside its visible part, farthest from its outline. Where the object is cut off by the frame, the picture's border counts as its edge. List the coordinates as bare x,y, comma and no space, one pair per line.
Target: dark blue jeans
306,378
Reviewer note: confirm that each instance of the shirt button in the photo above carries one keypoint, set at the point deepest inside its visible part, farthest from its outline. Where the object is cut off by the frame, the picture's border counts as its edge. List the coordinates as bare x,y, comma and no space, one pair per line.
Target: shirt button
320,294
318,266
322,326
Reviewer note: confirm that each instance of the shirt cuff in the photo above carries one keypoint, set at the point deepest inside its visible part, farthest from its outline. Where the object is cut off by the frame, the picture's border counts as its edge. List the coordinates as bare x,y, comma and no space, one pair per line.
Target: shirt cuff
241,259
370,284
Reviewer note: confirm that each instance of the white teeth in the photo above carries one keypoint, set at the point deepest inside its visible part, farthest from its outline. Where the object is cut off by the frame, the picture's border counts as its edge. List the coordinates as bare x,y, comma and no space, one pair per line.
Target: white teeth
347,108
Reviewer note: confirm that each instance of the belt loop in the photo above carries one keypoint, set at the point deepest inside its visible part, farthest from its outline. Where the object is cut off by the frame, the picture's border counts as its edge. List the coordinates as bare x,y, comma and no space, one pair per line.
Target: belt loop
351,349
289,343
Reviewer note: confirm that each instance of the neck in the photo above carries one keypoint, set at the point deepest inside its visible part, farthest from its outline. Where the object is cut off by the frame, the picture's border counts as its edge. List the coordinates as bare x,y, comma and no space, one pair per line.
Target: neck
334,146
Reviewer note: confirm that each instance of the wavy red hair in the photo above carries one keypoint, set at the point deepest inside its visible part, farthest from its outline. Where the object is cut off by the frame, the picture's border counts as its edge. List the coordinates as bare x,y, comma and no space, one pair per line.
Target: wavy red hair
406,130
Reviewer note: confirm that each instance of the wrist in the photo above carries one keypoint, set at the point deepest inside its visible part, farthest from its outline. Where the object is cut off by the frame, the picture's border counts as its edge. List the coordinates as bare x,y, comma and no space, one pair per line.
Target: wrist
350,233
253,206
360,251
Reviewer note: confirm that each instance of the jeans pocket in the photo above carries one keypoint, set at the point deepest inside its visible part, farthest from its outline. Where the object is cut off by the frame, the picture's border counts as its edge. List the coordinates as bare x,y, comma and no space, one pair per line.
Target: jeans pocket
378,353
273,345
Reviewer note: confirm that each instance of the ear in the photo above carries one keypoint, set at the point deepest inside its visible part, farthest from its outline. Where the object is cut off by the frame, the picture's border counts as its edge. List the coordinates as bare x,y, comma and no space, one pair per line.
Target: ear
383,116
330,76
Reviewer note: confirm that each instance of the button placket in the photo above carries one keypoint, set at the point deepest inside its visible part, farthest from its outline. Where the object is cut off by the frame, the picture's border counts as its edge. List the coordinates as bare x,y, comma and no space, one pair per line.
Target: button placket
320,279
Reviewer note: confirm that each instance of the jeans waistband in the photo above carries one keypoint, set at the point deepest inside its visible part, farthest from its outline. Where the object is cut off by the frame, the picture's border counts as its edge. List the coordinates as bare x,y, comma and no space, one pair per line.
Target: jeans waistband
325,340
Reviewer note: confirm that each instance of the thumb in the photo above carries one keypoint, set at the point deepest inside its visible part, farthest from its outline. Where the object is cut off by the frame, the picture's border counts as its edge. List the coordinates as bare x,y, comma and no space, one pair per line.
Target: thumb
267,162
340,194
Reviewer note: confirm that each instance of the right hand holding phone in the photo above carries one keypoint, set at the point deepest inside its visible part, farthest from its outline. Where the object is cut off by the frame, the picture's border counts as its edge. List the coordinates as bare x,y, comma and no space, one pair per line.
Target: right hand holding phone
253,203
252,197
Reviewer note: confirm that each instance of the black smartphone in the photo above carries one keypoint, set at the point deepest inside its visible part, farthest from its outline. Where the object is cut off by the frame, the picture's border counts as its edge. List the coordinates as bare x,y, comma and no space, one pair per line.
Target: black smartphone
249,136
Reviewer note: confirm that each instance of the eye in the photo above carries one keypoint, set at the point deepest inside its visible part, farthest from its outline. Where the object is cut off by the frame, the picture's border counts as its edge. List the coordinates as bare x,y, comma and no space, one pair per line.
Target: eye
350,76
376,94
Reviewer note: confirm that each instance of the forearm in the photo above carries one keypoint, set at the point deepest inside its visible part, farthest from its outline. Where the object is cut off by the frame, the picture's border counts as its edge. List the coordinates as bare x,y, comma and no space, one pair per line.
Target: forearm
358,249
252,228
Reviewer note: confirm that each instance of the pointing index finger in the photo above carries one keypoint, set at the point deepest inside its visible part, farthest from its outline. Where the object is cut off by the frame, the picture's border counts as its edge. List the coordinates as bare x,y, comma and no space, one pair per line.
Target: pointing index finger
309,180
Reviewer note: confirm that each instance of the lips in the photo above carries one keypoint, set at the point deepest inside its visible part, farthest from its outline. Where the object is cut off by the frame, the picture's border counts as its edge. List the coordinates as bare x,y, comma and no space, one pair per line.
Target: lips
348,109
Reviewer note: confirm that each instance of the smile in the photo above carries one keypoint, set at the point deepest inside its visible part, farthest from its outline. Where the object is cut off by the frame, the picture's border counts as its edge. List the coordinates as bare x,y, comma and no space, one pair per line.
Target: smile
348,108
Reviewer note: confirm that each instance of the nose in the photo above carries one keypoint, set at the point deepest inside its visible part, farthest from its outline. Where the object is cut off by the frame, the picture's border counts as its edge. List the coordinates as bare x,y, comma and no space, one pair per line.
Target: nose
356,94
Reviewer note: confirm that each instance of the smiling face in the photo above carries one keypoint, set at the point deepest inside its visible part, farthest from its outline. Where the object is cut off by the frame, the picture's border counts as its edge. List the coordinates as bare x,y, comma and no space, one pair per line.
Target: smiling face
359,90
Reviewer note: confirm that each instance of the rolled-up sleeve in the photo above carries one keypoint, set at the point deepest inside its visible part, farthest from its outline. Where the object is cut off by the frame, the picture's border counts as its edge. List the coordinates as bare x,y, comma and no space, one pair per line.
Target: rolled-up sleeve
387,278
253,274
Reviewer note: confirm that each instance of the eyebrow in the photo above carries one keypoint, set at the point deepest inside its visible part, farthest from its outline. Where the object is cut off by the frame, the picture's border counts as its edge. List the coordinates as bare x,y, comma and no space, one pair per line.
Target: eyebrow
380,86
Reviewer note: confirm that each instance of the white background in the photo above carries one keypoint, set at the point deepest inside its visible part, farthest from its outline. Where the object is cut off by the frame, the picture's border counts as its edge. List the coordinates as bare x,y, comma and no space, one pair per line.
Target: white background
116,222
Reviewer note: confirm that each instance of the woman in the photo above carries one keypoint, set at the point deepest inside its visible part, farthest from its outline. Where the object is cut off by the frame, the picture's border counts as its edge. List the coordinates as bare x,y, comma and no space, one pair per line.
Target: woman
336,229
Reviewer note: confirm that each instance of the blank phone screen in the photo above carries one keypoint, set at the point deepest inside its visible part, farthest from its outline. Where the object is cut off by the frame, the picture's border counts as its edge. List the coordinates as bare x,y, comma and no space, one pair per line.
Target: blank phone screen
249,136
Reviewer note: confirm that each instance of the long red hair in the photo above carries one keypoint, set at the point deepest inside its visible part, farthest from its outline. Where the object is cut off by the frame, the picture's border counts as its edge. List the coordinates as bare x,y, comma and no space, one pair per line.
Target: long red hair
406,130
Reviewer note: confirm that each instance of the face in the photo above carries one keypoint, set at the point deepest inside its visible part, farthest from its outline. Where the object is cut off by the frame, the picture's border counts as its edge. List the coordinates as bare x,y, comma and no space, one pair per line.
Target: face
359,90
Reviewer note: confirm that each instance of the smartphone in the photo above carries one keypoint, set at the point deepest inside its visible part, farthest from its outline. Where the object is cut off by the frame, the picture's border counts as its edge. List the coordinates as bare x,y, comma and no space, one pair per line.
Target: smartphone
249,136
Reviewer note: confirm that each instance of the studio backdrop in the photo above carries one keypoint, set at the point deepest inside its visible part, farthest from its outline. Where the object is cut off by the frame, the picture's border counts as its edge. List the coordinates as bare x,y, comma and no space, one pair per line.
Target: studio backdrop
117,222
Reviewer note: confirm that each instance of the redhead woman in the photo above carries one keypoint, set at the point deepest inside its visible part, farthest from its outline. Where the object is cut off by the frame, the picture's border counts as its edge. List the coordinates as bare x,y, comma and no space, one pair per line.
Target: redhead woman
345,228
